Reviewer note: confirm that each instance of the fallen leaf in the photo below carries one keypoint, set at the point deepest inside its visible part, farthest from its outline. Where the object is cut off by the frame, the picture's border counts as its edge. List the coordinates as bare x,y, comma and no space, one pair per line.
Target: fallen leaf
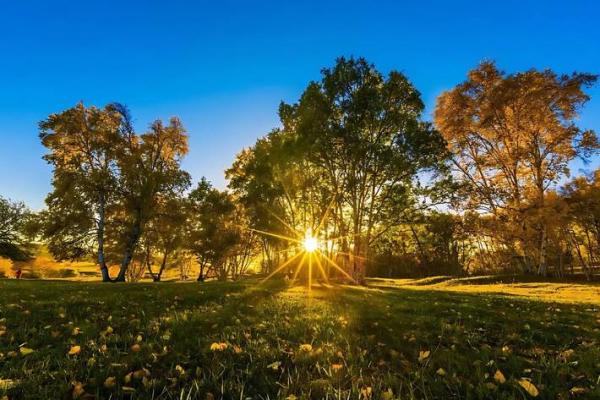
6,384
529,387
110,382
306,347
78,389
26,350
499,377
74,350
423,355
274,365
577,390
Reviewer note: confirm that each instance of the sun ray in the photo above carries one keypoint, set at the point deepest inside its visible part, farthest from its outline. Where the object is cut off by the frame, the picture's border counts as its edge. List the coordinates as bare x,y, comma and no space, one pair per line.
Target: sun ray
282,266
300,264
353,255
318,262
309,272
343,237
337,266
293,248
325,215
281,220
275,235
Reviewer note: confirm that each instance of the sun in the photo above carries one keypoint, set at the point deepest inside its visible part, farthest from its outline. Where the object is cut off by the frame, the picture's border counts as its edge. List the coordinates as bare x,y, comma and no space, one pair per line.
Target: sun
310,243
311,253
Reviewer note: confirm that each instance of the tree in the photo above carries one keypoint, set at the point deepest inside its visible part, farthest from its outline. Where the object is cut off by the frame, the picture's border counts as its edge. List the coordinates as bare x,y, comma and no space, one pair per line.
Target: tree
582,195
150,170
81,143
14,217
512,138
107,181
216,234
164,236
355,144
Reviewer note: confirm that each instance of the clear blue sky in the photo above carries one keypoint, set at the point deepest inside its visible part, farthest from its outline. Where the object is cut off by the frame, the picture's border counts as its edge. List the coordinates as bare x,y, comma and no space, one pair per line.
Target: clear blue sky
223,66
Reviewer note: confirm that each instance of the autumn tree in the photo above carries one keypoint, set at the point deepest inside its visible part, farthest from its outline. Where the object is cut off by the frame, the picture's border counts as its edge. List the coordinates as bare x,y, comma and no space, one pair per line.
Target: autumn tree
150,172
81,145
582,195
512,137
107,181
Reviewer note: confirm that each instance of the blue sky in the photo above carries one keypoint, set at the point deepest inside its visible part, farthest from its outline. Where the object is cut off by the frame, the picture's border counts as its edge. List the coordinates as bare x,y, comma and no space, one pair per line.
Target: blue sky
224,66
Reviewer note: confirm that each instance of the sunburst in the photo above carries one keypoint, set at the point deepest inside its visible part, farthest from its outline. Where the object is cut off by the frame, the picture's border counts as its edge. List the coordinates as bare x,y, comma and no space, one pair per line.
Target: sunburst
310,251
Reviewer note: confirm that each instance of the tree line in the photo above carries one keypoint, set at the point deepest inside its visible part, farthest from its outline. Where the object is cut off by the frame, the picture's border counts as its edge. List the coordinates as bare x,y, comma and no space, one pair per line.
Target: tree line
484,188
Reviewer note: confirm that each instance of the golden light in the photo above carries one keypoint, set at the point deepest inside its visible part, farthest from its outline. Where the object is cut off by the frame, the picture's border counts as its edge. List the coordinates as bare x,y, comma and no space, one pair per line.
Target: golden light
310,243
310,252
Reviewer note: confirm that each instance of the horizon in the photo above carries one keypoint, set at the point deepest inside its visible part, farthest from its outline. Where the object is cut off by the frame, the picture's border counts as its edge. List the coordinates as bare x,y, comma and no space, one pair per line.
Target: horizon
224,69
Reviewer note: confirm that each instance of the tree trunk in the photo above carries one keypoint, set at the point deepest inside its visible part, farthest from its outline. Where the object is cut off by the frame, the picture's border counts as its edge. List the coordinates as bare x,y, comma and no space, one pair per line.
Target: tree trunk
101,258
136,232
542,269
158,276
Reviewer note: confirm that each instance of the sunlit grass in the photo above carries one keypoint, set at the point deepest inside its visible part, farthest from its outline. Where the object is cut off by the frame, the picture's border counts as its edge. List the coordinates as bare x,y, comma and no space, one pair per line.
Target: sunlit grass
550,291
240,340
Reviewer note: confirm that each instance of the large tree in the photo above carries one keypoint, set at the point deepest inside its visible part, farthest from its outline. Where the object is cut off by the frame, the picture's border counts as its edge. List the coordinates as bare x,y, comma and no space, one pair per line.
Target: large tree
355,140
108,181
512,137
81,145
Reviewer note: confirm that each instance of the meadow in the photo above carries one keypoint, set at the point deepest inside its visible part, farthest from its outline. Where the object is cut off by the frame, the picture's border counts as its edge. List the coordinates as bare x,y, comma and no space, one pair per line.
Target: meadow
393,339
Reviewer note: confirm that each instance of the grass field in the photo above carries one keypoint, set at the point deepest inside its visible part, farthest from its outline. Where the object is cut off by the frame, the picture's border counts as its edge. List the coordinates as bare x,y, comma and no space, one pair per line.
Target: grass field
394,339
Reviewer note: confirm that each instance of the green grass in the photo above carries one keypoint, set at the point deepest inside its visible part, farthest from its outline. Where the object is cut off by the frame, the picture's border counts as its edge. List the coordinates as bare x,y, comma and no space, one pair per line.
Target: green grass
364,342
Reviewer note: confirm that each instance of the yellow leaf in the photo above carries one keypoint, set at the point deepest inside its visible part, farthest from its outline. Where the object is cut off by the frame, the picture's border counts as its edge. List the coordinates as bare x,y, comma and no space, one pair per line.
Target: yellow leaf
274,365
6,384
576,390
306,347
140,373
387,395
529,387
499,377
110,382
74,350
423,355
78,389
441,372
26,350
218,346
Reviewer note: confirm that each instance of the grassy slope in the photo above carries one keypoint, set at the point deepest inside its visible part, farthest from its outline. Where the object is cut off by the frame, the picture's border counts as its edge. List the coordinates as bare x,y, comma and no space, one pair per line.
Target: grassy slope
554,290
361,341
